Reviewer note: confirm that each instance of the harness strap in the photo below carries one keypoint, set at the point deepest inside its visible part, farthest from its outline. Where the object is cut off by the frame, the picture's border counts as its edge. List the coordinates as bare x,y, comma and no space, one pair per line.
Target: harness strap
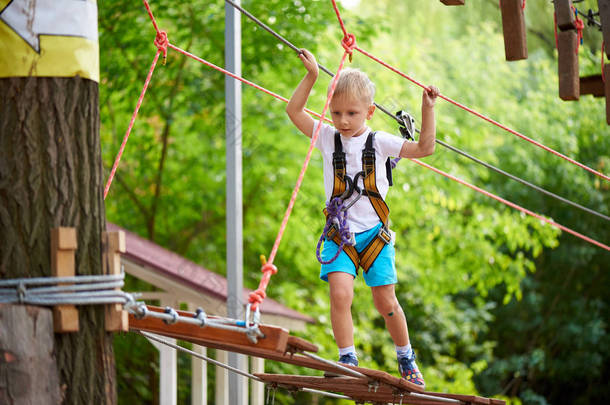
370,184
339,167
368,255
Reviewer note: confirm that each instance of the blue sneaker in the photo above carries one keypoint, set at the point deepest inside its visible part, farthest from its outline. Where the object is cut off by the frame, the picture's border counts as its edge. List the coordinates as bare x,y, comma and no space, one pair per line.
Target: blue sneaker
409,371
349,359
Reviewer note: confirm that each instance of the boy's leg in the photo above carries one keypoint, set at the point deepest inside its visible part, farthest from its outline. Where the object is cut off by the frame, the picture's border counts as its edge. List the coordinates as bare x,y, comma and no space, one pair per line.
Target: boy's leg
341,296
385,300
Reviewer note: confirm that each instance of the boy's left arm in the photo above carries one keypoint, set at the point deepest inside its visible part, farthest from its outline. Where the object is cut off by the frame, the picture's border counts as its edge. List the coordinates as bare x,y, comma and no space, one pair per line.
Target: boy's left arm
427,136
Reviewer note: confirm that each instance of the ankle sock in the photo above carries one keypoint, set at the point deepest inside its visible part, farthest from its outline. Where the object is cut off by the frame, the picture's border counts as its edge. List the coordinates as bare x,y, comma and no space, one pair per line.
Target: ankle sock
402,351
347,350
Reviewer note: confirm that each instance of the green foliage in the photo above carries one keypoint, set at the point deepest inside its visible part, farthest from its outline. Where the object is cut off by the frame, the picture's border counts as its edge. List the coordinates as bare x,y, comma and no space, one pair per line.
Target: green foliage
497,302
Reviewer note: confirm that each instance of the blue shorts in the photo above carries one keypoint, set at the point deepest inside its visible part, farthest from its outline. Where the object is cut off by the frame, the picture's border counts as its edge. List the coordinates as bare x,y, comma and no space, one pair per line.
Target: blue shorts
381,272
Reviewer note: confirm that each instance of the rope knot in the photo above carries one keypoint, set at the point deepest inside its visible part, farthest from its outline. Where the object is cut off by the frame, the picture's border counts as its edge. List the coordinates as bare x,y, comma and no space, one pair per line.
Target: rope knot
349,44
269,268
161,43
256,297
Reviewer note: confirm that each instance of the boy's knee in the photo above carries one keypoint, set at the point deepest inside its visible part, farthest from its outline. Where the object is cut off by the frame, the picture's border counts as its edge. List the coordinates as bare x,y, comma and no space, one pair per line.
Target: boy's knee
388,306
341,296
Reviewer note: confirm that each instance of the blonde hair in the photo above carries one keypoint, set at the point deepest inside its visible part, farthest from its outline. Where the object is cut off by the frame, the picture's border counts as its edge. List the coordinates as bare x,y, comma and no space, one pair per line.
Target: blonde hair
354,83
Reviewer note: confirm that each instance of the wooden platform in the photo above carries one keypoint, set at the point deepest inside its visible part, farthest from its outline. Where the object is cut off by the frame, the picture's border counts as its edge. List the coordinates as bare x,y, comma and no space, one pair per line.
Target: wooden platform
365,390
278,345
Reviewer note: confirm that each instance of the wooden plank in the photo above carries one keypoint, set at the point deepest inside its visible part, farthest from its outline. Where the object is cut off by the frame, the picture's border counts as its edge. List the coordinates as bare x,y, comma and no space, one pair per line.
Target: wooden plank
275,339
604,17
63,248
513,26
301,345
569,80
593,85
453,2
471,399
607,86
564,15
116,319
359,389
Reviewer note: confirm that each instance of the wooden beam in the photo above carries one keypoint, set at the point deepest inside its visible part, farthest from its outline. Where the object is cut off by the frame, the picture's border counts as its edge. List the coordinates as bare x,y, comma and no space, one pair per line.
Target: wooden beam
453,2
564,15
607,76
275,338
604,16
63,248
593,85
569,80
513,26
116,319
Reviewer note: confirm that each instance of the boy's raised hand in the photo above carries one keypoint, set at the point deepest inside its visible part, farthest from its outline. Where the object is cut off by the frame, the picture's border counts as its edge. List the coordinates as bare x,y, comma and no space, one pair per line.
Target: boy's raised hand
309,61
429,96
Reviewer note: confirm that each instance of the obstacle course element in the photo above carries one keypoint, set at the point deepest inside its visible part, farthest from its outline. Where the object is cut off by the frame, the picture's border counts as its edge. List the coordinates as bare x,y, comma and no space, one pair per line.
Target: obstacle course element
63,248
358,383
513,27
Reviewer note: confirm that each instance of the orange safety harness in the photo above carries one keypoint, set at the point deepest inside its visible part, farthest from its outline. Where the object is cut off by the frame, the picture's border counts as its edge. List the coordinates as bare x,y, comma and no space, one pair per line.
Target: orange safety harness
343,188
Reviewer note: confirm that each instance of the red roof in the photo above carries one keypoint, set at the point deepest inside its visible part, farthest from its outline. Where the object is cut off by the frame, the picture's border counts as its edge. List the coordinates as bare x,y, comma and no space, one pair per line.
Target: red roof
190,274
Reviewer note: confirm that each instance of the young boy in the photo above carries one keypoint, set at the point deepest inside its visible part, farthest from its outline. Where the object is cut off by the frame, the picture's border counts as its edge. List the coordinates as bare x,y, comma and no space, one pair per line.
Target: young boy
350,107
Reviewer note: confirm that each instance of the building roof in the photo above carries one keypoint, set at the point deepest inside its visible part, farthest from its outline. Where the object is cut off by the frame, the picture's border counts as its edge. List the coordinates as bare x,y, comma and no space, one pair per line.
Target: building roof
190,274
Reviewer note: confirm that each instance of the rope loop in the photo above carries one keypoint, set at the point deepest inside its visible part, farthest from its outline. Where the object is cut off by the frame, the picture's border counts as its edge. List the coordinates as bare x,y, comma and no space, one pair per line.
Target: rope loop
161,43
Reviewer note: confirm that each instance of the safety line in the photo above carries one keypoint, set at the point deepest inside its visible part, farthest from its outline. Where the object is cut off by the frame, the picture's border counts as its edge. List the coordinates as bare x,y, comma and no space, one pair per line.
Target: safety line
269,269
462,106
483,117
524,182
131,122
444,144
236,77
513,205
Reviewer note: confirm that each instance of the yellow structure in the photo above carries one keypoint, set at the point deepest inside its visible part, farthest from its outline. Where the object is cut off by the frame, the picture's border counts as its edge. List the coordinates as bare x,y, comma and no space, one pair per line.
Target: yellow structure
49,38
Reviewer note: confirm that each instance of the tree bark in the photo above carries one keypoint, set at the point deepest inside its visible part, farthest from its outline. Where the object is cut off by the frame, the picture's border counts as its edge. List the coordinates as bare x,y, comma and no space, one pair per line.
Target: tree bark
50,176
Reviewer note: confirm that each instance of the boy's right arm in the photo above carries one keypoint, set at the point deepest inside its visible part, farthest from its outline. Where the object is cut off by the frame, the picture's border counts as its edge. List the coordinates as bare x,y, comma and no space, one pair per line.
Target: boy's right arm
296,105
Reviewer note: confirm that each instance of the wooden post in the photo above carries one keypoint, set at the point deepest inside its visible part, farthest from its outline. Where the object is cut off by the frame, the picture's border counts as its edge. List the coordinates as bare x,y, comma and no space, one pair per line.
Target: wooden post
63,247
28,369
513,25
116,318
453,2
604,16
564,15
593,85
607,75
569,81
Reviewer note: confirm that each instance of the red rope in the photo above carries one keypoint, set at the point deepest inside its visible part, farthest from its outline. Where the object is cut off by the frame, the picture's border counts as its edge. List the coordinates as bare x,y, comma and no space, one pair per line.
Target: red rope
345,34
470,110
513,205
268,269
241,79
580,26
131,122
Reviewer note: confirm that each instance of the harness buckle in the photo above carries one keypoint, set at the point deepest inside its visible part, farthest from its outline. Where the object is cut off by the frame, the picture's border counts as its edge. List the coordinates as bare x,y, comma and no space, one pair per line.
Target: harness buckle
332,231
385,235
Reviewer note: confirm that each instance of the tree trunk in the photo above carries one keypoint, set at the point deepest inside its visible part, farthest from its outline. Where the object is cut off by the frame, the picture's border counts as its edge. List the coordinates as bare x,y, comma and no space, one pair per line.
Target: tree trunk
50,176
28,371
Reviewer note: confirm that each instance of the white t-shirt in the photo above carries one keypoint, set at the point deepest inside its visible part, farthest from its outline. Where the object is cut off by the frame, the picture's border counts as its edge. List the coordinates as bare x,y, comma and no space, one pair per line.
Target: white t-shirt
361,216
